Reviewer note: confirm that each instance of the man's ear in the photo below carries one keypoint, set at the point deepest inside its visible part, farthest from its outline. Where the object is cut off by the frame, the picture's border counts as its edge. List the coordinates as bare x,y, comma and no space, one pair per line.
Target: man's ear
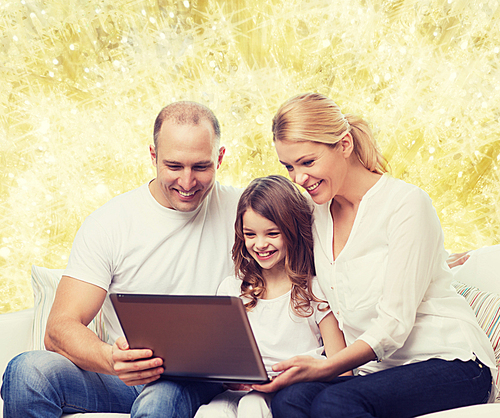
222,151
152,153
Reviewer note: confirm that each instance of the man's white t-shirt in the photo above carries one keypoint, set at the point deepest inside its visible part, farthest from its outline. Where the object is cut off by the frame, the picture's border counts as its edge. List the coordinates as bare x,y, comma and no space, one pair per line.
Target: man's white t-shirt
132,244
280,333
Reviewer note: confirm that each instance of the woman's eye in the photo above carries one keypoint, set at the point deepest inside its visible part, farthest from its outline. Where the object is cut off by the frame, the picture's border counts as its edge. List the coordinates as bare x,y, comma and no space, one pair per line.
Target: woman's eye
308,163
289,167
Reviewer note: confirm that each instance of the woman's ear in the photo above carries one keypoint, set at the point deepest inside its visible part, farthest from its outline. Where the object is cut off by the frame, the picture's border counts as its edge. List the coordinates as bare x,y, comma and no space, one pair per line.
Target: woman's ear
347,145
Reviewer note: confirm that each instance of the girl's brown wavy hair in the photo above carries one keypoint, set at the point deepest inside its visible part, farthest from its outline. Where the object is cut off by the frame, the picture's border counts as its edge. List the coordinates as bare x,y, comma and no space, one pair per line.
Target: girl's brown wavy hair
277,199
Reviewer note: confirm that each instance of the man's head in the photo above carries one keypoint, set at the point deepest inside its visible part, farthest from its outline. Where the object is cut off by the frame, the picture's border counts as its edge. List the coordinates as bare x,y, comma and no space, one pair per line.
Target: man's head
186,155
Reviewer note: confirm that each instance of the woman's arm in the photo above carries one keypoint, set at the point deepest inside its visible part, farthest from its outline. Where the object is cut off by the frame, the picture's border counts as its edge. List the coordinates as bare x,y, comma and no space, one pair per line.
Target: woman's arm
308,369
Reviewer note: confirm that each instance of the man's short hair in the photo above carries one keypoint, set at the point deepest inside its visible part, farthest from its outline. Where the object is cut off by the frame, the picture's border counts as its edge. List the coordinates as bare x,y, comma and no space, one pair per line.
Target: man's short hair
186,113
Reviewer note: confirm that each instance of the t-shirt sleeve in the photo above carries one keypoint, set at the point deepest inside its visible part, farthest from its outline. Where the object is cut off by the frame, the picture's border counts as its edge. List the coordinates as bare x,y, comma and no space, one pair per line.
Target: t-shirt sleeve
90,259
230,286
319,314
415,254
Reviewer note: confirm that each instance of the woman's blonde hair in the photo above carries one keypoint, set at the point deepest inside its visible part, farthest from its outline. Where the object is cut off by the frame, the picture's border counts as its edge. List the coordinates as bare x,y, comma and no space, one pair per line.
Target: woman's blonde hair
314,117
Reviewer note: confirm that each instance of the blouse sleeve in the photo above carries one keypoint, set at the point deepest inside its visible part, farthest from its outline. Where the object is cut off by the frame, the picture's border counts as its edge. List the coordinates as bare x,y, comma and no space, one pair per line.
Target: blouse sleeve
415,255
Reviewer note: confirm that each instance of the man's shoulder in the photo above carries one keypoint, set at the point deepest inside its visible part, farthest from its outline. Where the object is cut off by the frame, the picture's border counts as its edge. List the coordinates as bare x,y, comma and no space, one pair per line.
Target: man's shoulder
121,203
227,192
224,197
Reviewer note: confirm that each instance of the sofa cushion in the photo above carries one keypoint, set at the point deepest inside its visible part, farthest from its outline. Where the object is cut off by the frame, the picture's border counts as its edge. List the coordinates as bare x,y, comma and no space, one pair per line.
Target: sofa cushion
486,306
44,282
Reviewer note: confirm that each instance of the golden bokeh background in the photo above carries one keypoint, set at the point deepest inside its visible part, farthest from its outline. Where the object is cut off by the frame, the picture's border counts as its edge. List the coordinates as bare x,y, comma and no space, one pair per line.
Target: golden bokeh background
82,81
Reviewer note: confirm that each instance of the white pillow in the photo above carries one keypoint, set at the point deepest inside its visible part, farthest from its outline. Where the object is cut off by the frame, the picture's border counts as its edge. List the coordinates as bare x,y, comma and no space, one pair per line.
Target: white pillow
481,270
44,282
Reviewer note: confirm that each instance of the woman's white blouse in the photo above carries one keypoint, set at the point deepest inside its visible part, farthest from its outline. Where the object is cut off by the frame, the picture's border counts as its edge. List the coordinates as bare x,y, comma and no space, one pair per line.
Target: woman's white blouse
390,286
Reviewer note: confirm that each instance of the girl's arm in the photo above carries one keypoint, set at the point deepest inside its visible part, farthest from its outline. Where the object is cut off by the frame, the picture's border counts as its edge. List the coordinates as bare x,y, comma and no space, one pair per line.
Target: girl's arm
333,337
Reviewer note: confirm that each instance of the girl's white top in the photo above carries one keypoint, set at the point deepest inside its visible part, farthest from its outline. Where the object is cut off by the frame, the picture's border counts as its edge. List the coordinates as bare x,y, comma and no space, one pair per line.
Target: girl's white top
279,332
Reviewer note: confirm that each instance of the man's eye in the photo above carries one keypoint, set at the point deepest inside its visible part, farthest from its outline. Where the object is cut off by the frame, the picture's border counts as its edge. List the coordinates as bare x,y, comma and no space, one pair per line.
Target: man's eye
201,167
174,167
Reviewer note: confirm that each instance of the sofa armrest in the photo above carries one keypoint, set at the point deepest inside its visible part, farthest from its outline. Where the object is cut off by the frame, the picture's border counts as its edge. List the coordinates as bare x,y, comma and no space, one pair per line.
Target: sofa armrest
15,337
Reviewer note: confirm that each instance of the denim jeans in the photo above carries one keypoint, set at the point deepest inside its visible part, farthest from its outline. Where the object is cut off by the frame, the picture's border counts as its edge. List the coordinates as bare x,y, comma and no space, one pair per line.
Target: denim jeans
404,391
43,384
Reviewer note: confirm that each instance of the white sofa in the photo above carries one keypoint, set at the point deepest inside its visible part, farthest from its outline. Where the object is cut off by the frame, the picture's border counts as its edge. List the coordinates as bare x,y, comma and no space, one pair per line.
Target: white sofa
478,280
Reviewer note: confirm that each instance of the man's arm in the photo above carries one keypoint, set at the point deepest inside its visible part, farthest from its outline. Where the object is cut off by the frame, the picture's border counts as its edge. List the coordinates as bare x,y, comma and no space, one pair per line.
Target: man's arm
75,305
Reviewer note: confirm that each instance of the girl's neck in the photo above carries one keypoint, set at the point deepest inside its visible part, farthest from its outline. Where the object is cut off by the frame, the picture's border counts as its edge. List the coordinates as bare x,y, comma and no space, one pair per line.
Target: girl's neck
276,281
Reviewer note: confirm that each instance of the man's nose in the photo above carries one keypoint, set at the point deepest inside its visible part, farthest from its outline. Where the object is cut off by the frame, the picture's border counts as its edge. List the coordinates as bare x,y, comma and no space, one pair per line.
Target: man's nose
187,179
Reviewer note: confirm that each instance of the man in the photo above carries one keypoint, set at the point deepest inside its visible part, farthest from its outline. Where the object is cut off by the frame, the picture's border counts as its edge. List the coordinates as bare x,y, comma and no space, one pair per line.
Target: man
172,235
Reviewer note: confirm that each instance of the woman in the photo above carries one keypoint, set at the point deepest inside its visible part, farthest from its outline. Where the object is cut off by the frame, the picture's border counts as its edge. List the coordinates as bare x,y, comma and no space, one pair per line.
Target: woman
381,263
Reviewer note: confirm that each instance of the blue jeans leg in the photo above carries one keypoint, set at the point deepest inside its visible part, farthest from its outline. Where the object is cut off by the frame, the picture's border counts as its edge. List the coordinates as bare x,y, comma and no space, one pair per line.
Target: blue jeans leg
295,401
404,391
43,384
174,398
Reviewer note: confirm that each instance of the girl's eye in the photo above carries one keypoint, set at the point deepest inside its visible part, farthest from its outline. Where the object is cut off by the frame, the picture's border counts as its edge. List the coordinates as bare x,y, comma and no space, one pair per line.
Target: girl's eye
273,234
308,163
249,234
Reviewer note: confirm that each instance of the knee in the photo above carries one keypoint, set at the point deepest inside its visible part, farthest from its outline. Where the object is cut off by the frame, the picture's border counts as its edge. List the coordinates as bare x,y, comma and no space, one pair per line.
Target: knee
160,398
255,404
334,403
286,403
29,369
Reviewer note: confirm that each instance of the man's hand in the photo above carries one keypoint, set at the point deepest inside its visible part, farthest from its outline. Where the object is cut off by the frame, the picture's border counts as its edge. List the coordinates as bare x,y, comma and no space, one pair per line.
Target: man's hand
297,369
458,259
135,367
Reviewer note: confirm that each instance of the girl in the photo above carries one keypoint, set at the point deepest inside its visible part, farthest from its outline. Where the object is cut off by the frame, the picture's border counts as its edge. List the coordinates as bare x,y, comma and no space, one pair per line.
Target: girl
273,257
380,261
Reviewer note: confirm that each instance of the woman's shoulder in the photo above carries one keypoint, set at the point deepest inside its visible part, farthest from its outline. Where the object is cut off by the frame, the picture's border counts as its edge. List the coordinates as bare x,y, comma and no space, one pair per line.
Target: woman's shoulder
396,192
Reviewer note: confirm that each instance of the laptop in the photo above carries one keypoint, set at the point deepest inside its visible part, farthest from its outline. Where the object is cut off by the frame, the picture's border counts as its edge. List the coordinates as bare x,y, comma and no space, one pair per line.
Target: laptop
205,338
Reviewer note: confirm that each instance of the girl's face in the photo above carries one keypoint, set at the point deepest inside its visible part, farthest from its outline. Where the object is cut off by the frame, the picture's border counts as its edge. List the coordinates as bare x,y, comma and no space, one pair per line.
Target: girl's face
317,167
263,240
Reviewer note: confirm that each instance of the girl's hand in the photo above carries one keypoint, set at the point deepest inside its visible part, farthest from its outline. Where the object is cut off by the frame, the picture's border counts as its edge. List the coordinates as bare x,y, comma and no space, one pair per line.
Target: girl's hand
297,369
237,386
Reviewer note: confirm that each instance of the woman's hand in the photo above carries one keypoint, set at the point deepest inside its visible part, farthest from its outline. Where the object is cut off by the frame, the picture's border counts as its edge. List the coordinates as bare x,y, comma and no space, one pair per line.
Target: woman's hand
298,369
458,259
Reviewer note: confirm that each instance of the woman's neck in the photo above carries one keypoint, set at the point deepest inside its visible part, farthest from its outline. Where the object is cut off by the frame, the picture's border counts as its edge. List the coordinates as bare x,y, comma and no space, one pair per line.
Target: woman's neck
357,182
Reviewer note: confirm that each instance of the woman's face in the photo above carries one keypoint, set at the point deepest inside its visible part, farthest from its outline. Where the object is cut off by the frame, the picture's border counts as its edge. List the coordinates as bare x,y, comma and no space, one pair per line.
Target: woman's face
317,167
